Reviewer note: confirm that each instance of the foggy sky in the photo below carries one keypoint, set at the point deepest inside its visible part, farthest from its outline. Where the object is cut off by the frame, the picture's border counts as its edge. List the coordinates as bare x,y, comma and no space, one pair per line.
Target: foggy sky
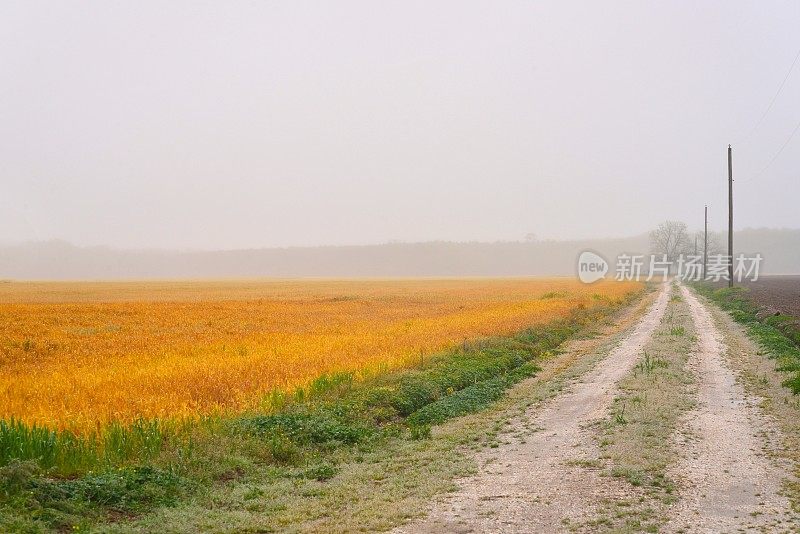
250,124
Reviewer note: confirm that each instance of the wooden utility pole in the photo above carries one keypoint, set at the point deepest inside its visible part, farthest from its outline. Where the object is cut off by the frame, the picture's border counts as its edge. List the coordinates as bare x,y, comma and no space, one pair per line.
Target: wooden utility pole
730,218
705,244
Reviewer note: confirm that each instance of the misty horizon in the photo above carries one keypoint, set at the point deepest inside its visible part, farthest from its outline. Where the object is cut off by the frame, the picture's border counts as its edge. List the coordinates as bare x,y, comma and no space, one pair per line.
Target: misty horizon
720,233
59,260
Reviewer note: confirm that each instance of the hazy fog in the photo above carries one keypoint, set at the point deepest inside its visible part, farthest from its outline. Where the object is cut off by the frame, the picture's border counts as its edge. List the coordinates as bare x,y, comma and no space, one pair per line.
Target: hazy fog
54,260
250,124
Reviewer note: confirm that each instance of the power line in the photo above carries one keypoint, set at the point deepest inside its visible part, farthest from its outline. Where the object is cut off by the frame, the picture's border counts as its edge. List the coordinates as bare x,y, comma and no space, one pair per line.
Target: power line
774,98
778,153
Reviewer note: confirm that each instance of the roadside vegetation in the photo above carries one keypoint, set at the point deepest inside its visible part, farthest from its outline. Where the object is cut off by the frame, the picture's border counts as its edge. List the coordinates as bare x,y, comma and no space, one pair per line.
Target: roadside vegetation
274,467
777,333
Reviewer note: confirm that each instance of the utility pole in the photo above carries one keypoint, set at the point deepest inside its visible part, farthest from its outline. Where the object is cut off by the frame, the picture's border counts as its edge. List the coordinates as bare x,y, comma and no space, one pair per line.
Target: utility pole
730,218
705,244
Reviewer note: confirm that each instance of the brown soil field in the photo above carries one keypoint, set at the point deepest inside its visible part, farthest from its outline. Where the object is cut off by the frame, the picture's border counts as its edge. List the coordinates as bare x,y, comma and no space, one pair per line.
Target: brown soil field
779,292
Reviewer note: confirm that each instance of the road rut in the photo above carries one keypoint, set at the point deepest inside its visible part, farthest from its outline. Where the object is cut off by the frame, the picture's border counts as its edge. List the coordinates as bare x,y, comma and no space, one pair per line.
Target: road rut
727,481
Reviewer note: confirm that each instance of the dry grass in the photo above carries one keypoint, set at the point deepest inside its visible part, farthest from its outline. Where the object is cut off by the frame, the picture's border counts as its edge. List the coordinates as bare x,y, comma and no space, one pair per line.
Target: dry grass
79,355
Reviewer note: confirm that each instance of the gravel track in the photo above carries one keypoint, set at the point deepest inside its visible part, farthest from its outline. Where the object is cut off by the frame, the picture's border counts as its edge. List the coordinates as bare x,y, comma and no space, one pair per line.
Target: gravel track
726,478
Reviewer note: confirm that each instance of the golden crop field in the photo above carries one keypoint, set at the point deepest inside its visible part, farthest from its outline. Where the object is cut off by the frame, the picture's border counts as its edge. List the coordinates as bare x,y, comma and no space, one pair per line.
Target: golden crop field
78,355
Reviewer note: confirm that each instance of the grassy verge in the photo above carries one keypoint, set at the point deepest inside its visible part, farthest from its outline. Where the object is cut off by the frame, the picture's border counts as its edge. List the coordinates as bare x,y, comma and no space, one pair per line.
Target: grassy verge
779,335
269,471
635,440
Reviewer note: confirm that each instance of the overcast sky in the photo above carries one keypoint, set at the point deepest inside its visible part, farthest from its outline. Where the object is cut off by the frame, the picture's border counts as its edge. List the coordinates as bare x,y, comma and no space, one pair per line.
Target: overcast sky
248,124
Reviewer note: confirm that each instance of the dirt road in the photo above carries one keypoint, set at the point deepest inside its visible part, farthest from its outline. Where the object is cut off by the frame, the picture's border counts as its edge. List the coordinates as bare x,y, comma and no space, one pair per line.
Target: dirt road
728,482
553,479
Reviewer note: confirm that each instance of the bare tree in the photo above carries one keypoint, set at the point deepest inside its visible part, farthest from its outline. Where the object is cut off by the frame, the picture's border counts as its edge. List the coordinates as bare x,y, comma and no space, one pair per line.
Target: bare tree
716,243
670,239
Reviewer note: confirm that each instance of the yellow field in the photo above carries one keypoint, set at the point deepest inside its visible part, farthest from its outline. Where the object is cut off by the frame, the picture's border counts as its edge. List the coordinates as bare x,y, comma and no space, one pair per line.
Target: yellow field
77,355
